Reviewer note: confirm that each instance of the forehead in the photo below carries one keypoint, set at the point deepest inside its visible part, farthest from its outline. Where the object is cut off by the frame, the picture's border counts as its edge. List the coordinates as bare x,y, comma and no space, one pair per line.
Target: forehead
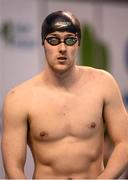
61,34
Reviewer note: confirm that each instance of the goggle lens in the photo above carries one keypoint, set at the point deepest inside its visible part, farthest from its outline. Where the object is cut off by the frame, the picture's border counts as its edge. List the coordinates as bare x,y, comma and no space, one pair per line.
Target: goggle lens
70,41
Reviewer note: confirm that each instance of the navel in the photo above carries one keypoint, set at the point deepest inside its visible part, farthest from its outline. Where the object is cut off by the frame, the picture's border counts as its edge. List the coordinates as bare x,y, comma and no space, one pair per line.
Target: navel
93,125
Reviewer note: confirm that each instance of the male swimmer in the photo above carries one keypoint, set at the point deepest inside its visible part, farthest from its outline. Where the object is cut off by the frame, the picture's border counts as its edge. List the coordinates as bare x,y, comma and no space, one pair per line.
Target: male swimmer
61,113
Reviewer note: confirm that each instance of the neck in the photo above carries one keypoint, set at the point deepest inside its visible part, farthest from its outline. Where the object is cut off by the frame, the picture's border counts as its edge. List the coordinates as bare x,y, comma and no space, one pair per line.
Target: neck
65,79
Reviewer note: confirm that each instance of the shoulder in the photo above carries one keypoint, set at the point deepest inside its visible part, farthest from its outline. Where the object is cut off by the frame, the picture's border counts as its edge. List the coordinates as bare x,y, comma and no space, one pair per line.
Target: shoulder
96,73
100,78
19,95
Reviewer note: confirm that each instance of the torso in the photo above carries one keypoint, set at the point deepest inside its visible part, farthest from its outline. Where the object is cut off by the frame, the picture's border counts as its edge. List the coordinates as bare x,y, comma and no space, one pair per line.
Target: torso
66,129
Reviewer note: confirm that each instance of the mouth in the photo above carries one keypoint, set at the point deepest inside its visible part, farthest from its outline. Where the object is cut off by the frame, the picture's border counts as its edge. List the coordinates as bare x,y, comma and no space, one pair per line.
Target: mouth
62,59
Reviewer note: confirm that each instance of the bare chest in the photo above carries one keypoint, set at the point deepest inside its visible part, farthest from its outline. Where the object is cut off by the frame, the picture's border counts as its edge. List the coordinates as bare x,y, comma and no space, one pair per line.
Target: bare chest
56,115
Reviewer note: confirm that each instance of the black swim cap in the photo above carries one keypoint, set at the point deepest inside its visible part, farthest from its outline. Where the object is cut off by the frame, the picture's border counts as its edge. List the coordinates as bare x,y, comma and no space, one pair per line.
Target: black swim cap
60,21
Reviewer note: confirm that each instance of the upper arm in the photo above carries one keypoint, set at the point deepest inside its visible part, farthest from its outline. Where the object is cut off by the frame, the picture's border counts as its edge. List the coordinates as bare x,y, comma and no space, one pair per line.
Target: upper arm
115,115
14,137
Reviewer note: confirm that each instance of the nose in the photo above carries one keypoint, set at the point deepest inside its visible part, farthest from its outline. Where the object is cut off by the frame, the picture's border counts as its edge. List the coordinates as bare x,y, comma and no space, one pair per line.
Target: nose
62,48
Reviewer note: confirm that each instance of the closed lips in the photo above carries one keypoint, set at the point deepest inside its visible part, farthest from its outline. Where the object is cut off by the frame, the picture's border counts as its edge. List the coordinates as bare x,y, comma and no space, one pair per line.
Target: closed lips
62,58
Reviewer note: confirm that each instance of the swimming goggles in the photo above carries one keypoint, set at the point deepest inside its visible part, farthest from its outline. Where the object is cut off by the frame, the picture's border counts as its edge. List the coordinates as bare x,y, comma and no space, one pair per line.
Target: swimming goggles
69,41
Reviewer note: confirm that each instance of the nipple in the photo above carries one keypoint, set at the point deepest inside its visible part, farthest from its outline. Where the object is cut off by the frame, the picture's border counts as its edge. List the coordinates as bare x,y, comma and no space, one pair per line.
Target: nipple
43,134
93,125
12,92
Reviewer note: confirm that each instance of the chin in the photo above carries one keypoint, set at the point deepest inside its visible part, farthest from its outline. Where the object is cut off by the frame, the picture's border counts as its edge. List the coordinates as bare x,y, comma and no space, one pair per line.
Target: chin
61,69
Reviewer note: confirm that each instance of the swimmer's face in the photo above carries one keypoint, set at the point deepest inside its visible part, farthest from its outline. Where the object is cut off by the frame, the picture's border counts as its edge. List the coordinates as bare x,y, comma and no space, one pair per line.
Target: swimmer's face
60,50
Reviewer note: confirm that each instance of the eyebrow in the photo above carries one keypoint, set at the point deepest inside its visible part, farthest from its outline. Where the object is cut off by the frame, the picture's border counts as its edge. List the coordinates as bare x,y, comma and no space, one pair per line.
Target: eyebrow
57,35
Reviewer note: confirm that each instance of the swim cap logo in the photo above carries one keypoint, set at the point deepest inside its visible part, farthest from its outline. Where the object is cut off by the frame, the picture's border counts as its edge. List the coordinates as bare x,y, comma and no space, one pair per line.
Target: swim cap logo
62,24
